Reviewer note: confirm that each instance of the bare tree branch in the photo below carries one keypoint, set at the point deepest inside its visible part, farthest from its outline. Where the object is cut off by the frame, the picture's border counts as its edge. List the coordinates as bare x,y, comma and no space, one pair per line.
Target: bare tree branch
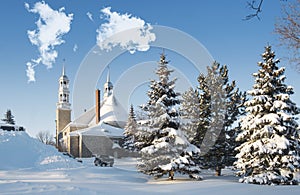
288,29
257,7
45,137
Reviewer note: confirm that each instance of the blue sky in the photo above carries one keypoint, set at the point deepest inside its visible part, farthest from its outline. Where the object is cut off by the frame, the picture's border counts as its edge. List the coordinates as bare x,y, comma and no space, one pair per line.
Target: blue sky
217,24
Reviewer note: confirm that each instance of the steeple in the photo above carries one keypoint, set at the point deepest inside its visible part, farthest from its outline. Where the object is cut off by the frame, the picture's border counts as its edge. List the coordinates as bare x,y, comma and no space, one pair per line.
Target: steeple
63,107
63,91
108,86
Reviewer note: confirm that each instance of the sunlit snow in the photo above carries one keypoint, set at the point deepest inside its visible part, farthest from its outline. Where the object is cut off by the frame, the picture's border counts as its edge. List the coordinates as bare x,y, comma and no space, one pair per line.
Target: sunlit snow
30,167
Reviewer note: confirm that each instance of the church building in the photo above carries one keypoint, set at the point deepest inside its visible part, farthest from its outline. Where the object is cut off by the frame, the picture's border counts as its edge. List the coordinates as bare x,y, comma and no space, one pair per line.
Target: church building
98,131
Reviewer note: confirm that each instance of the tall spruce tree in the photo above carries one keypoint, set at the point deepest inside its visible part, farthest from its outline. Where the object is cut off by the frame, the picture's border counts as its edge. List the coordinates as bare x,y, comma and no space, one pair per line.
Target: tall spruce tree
234,110
8,117
269,153
166,149
130,131
205,114
190,113
223,108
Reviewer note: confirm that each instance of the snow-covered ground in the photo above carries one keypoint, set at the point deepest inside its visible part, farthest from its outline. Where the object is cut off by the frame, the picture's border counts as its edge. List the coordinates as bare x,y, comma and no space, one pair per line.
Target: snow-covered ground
30,167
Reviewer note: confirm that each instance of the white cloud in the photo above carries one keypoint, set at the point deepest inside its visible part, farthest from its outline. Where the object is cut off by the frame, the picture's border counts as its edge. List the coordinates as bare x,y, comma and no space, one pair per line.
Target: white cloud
136,33
30,72
51,26
90,16
75,48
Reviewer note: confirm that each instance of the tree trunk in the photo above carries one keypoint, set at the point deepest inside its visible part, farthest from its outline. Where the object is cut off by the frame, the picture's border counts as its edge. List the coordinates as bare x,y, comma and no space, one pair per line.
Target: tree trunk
171,175
218,171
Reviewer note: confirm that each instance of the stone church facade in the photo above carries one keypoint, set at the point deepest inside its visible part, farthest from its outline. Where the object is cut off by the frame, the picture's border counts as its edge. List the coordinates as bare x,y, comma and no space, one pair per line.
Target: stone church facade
97,131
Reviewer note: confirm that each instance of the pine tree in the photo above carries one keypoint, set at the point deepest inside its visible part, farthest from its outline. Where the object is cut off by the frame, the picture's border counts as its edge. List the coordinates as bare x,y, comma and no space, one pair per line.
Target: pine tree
166,149
234,109
224,107
205,114
269,153
214,141
190,113
8,117
130,131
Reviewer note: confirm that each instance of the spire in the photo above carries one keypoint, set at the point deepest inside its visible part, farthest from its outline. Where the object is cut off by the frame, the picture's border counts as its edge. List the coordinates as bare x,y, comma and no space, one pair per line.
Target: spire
108,76
63,70
63,74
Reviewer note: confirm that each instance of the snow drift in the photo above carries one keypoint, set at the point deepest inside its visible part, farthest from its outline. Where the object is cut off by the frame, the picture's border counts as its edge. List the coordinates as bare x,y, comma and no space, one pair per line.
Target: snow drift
18,151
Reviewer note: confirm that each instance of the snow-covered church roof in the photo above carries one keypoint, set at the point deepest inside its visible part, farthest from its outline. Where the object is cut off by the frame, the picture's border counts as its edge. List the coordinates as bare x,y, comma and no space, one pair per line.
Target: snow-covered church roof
111,112
102,129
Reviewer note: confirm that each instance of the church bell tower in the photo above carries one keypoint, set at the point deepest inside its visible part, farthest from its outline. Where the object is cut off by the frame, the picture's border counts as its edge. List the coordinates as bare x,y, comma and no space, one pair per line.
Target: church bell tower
63,106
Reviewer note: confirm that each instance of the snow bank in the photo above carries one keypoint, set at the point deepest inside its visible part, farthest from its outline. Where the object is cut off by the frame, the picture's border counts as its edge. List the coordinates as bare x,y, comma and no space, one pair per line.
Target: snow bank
18,150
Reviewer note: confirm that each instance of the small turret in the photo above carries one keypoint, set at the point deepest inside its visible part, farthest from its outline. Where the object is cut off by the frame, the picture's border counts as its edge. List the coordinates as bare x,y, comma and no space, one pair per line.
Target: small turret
108,86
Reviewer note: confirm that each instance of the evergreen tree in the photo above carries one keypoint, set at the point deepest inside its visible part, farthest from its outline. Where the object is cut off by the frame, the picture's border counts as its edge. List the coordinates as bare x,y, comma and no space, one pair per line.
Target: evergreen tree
205,114
234,109
223,108
166,149
8,117
214,141
190,113
130,131
269,153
